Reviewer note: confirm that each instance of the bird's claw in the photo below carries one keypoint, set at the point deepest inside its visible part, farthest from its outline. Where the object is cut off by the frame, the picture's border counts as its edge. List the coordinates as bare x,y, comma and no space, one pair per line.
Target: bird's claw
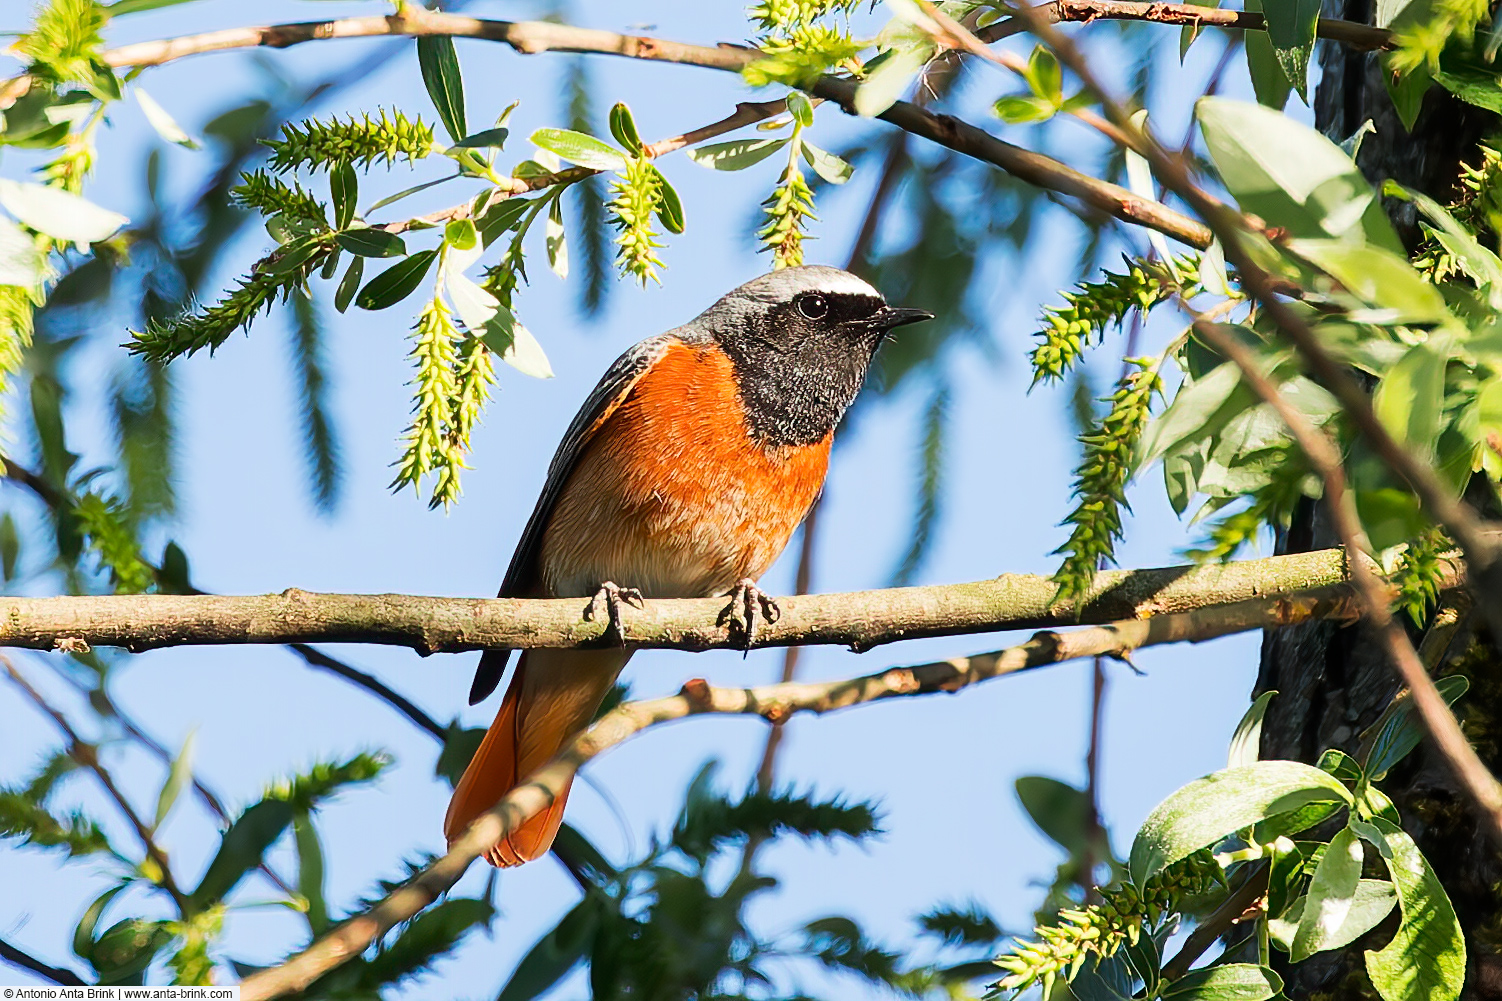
748,604
607,603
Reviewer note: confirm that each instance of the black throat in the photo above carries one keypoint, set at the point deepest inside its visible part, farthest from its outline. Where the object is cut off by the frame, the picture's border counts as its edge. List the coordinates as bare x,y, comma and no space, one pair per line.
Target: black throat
798,377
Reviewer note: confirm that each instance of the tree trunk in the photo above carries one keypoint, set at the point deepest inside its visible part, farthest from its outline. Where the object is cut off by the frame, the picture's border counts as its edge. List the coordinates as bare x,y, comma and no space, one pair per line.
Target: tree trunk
1334,681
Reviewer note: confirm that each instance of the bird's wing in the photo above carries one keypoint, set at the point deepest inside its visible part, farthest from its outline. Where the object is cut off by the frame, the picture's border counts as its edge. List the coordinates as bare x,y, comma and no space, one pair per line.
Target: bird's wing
608,394
521,577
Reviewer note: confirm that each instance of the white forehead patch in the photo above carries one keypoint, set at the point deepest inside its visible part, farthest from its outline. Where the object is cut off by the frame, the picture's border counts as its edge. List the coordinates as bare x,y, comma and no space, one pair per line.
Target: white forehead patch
781,286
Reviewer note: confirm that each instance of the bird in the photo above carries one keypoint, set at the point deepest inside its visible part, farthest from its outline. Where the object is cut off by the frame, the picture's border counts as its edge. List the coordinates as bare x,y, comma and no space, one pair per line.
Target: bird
684,475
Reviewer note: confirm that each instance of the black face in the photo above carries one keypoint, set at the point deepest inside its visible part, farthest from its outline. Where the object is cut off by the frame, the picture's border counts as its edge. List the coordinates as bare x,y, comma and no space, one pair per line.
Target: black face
801,361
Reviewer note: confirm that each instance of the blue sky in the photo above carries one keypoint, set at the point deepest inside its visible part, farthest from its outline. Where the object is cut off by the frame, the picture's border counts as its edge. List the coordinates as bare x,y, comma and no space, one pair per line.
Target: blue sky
942,767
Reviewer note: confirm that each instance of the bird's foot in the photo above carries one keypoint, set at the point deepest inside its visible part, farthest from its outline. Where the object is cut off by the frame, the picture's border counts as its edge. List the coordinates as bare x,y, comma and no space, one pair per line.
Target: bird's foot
748,605
607,603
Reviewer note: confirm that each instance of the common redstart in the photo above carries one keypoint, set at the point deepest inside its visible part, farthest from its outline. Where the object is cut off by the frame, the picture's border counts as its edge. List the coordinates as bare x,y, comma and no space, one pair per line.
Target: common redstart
682,476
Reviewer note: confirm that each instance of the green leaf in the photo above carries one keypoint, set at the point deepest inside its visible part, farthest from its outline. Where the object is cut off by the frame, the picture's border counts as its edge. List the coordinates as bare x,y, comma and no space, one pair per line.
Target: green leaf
1226,982
1290,28
1269,82
179,775
1478,262
83,933
1331,891
21,262
1406,90
57,213
367,242
396,282
670,207
623,127
1285,875
1410,397
501,216
801,108
828,166
10,546
495,138
516,345
738,154
1206,810
310,871
1246,743
1192,408
1024,109
430,935
345,188
886,81
440,74
461,234
1372,902
349,284
556,953
1058,809
166,126
1399,730
1378,277
1044,76
459,746
555,239
122,7
127,948
1290,175
425,185
576,147
1426,959
242,849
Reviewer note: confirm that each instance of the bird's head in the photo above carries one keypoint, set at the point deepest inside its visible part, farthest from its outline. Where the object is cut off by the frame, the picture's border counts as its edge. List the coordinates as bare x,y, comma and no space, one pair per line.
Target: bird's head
801,340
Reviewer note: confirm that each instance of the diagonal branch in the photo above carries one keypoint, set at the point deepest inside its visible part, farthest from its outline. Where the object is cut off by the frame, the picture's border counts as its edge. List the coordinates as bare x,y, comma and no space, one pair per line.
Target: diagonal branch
531,37
775,703
859,619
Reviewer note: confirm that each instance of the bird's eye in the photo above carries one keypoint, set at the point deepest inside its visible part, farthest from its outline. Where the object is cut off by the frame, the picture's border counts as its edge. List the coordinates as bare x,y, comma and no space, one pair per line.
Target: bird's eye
813,306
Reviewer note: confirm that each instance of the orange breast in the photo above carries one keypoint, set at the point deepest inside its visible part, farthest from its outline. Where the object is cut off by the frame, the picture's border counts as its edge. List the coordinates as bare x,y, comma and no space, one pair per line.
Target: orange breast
672,495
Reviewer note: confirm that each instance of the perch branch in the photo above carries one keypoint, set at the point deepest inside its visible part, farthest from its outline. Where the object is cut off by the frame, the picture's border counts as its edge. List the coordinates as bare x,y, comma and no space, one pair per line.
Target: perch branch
859,619
775,703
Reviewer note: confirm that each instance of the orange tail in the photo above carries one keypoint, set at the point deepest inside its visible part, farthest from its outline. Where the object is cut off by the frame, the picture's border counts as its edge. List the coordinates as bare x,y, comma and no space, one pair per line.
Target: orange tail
552,697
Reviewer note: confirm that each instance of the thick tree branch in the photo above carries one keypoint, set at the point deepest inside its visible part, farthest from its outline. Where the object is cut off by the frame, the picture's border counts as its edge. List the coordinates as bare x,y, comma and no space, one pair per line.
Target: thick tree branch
25,961
531,37
859,619
1350,33
775,703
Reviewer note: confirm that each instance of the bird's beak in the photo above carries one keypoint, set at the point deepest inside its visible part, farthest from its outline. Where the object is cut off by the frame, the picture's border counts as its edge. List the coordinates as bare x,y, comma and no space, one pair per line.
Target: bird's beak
889,317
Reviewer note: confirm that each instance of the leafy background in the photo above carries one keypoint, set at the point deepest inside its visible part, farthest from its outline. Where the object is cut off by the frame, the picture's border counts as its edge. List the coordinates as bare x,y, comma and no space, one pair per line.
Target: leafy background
941,768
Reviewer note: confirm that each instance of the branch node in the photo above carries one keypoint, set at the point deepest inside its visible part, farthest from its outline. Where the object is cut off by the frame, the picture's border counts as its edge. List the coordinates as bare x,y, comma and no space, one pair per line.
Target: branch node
696,691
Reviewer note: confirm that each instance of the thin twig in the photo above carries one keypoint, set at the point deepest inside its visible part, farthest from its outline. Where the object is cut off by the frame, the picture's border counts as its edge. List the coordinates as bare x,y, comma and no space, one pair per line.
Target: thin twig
25,961
1232,910
1353,34
774,703
88,756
